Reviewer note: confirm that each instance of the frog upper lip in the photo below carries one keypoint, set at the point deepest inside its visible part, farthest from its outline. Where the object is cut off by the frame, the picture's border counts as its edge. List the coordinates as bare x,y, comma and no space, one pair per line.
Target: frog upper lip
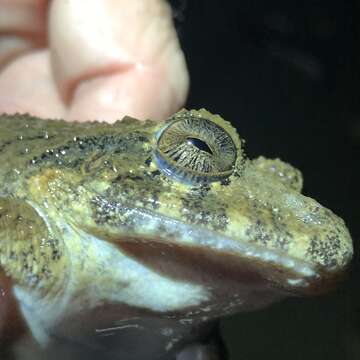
288,273
152,225
137,223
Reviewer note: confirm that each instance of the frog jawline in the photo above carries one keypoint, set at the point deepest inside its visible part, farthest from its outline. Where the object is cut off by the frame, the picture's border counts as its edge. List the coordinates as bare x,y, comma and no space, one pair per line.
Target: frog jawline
296,276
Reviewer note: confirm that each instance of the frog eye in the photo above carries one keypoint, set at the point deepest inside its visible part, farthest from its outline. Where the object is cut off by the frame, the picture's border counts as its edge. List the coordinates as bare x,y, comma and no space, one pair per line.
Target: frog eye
193,148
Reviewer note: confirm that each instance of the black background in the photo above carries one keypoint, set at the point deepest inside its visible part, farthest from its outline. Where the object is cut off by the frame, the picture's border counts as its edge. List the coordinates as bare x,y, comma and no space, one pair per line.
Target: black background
286,73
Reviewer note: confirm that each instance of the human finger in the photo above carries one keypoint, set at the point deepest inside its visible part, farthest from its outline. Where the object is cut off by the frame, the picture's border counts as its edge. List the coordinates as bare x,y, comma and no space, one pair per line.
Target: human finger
114,57
27,86
22,27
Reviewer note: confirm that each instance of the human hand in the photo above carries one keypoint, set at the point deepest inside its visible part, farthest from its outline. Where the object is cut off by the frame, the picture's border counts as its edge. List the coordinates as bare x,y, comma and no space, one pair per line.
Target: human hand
87,60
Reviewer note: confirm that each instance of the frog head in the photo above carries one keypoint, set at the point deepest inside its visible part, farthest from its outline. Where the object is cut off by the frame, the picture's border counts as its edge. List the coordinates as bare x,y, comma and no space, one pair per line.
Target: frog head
181,197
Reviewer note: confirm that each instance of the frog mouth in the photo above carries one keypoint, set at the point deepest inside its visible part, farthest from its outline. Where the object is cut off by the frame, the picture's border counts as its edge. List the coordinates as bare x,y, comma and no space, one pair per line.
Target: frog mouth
139,228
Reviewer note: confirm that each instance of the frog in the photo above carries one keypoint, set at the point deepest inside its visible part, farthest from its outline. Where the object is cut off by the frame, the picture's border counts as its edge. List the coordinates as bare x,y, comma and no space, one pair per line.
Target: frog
131,240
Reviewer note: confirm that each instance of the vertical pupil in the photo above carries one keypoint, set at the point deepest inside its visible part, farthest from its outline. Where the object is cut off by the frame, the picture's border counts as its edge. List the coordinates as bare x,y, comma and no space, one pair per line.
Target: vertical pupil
199,144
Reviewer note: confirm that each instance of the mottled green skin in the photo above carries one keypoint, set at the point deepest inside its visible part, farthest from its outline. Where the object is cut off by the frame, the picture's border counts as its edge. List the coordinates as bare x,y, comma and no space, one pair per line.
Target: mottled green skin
115,162
33,149
101,179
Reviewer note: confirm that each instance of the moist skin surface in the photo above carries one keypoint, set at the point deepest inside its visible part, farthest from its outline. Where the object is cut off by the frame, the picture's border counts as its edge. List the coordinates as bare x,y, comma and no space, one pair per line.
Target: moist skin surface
128,241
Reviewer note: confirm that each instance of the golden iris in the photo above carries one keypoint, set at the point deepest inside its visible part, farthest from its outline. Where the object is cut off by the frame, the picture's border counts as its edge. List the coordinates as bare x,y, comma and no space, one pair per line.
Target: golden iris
194,148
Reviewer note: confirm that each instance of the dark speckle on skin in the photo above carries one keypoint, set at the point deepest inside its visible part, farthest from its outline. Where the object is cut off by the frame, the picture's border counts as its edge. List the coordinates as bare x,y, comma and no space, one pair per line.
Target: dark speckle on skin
324,249
148,161
155,173
130,189
103,212
274,230
75,153
198,208
225,182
